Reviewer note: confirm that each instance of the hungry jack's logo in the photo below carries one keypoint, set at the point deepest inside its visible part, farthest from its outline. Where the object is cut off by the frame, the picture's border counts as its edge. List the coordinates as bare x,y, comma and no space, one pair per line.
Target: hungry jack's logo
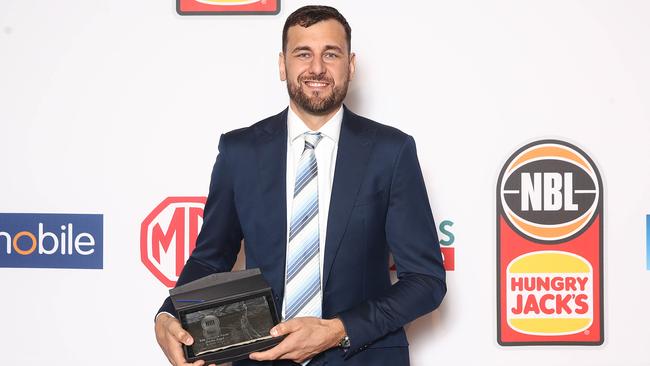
227,7
549,247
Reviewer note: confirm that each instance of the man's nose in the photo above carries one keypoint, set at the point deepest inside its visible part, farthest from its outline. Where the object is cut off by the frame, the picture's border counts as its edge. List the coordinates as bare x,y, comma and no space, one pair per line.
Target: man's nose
317,67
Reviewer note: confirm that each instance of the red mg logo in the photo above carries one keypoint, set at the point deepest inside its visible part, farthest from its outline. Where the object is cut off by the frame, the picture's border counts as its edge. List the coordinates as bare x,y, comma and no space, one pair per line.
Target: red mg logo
168,236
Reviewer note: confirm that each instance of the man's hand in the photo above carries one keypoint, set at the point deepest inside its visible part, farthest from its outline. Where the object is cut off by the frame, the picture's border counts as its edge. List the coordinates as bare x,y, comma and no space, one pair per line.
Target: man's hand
306,337
170,336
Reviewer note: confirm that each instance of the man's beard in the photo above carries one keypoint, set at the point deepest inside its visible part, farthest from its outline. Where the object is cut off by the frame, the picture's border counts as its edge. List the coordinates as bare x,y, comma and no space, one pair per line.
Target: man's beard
316,104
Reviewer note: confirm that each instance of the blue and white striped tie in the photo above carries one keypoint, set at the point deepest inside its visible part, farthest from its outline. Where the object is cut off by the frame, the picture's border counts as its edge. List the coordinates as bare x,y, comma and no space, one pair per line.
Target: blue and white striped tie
303,287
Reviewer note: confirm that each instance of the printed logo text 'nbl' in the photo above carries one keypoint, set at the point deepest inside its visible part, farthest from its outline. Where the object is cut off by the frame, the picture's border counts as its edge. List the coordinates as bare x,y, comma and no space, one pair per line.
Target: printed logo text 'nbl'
227,7
51,240
168,236
549,247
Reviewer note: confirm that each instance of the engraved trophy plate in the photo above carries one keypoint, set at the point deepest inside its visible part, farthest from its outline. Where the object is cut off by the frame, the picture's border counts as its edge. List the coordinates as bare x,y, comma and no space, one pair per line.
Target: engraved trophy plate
228,314
229,325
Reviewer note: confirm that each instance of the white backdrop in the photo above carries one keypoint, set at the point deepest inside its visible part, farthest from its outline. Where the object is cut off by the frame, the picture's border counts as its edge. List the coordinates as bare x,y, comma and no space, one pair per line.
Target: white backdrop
110,106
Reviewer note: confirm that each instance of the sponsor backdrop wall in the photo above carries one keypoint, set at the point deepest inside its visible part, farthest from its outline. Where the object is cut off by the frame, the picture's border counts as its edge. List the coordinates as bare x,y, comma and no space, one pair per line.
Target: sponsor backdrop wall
110,113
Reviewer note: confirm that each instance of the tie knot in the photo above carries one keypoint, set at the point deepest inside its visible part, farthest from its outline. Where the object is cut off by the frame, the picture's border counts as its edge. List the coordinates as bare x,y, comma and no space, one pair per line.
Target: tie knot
312,139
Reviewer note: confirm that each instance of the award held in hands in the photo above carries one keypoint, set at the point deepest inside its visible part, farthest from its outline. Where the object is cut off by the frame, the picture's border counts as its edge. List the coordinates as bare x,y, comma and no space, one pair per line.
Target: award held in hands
229,315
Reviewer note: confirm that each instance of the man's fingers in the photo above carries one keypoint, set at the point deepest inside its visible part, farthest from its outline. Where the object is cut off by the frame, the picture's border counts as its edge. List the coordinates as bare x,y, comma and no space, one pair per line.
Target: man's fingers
179,333
175,354
278,330
287,346
171,337
271,354
177,358
284,328
166,355
267,355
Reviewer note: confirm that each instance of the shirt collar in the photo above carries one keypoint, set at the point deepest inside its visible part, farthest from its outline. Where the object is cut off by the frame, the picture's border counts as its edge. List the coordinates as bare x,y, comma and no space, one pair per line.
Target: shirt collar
331,129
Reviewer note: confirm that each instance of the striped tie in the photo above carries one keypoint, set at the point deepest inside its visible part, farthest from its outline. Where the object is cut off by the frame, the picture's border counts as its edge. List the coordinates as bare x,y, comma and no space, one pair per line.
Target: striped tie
303,292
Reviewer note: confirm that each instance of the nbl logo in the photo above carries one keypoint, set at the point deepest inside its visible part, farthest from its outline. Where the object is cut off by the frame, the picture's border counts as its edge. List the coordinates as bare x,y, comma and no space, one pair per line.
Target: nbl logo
549,192
549,247
168,236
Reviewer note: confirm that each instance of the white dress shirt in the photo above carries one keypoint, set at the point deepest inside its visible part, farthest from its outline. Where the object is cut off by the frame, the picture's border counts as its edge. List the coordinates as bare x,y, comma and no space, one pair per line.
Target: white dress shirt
326,162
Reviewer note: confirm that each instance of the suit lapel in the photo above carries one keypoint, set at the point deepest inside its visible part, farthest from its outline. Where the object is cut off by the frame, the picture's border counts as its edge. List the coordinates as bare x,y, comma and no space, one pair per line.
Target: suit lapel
355,144
271,151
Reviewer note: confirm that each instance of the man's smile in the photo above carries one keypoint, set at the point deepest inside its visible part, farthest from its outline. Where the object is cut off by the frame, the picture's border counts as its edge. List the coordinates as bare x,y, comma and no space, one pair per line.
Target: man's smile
316,84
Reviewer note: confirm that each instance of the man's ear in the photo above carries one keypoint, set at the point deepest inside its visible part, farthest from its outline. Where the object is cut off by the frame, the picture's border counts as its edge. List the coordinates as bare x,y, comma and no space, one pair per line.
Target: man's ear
352,66
282,66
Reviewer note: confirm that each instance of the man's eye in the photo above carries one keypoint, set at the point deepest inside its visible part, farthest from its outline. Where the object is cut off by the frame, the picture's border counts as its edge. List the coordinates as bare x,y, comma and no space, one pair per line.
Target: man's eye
302,55
331,55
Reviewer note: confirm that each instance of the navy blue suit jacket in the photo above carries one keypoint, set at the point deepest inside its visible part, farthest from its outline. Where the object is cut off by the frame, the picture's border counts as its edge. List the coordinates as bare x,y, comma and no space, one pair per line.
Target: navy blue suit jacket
379,205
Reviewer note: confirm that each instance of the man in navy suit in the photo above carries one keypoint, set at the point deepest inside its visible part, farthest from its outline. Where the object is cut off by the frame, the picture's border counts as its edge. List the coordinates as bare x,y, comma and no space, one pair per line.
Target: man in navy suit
321,198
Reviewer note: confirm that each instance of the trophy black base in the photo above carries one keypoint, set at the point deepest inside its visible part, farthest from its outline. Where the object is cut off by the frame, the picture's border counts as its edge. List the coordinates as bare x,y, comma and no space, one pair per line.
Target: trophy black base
233,354
229,316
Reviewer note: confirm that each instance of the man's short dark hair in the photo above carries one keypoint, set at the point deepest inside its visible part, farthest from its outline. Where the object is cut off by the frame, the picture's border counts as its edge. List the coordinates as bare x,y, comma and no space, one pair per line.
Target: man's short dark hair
312,14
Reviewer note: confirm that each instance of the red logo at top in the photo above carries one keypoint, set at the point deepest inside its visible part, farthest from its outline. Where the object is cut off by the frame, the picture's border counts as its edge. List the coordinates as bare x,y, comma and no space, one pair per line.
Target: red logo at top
550,247
228,7
168,236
